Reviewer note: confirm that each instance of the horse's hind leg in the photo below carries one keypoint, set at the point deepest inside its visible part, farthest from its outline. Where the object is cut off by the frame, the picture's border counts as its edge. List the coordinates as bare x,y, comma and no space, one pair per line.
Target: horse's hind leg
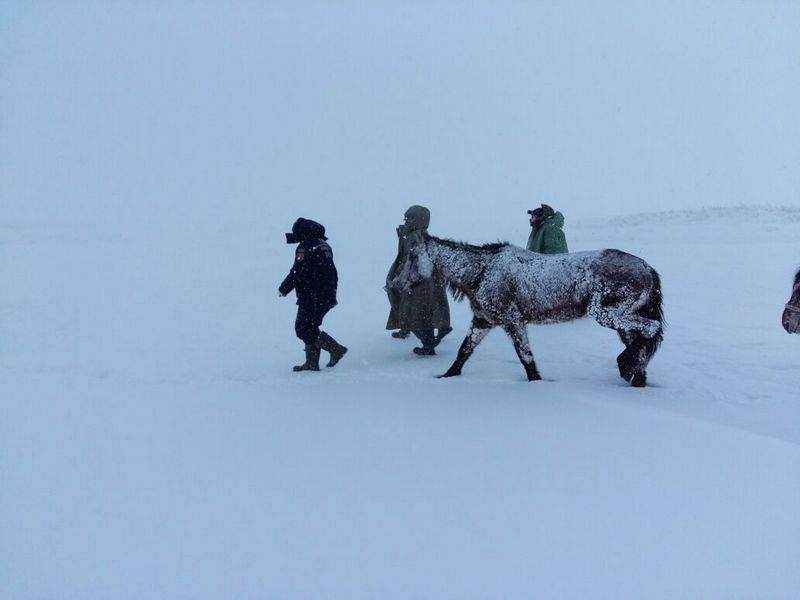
477,332
625,361
636,357
638,333
519,335
645,337
633,360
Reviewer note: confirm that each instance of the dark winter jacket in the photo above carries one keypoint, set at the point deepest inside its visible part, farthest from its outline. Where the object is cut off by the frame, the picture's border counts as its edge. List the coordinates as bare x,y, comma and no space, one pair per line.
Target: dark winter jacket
313,276
426,306
549,237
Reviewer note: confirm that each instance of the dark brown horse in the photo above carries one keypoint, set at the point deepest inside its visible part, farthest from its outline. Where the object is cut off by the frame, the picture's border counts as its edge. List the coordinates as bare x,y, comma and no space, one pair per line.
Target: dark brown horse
510,287
791,314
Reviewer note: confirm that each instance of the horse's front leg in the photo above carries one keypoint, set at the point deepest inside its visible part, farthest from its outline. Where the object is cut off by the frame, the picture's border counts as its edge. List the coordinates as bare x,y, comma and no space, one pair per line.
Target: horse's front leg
477,332
519,336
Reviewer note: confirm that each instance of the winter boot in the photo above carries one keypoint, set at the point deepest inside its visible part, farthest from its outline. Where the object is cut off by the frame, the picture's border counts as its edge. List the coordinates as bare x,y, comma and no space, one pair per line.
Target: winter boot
428,342
401,335
312,360
423,351
330,345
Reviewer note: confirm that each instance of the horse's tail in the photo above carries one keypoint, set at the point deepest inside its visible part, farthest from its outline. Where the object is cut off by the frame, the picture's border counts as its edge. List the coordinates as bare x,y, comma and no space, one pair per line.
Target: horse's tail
653,309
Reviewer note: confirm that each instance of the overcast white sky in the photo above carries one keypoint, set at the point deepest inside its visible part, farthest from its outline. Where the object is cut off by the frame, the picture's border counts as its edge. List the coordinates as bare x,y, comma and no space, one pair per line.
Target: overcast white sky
116,113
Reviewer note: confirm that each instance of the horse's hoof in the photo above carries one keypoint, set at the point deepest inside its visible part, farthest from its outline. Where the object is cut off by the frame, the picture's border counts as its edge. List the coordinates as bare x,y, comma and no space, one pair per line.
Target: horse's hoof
448,374
639,380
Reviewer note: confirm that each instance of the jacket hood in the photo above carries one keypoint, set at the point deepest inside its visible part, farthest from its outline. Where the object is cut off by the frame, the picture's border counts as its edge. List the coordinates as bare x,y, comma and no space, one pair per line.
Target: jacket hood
418,217
305,229
556,220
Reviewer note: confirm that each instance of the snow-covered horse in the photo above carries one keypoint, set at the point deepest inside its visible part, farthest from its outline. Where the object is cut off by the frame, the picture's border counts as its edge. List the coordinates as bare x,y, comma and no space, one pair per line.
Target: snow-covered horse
791,314
510,287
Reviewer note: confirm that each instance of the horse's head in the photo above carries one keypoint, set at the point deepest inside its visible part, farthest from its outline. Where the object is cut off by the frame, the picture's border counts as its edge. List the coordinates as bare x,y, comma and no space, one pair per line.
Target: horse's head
417,265
791,314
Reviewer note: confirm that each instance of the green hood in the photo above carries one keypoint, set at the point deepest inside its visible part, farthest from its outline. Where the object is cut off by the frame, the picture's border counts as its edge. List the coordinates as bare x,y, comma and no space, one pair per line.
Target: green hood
557,220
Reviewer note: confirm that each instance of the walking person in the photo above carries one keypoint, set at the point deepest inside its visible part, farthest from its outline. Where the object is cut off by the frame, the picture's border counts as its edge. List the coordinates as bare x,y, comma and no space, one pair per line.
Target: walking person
425,308
547,231
314,279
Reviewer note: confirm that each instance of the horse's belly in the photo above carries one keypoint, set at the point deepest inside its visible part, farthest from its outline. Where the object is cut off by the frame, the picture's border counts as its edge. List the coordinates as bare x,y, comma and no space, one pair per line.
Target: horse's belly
553,301
555,314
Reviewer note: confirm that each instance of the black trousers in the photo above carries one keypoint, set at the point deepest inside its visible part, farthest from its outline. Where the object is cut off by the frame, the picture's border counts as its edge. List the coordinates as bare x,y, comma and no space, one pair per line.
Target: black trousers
309,318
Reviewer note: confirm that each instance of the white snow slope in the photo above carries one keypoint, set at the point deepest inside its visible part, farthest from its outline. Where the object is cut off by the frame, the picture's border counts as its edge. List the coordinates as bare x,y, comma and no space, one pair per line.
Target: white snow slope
154,443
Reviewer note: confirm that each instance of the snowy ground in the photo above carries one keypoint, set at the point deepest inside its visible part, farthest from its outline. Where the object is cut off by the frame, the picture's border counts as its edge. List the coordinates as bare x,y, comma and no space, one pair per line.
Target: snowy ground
154,443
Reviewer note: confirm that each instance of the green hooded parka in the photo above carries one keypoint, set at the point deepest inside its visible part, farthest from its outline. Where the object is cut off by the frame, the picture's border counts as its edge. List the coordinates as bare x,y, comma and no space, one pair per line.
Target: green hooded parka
549,237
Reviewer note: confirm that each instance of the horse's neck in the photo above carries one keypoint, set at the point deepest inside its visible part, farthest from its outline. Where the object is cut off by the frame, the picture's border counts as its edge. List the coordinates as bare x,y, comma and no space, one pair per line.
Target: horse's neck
458,266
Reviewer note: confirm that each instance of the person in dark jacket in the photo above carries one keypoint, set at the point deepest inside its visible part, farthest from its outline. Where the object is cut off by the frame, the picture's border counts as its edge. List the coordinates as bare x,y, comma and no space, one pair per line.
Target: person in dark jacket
314,279
547,231
425,308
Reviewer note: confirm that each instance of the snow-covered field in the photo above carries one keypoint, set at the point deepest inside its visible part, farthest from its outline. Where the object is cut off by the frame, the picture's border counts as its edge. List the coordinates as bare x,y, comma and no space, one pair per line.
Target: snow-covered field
154,443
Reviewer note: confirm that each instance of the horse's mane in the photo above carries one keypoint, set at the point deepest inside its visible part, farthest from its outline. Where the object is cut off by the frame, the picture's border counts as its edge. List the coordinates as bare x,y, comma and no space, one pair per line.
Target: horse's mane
797,279
457,292
491,248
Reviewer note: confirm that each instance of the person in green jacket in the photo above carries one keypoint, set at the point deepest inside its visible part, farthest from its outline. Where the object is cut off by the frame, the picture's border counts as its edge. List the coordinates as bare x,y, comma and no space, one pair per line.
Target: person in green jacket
547,233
